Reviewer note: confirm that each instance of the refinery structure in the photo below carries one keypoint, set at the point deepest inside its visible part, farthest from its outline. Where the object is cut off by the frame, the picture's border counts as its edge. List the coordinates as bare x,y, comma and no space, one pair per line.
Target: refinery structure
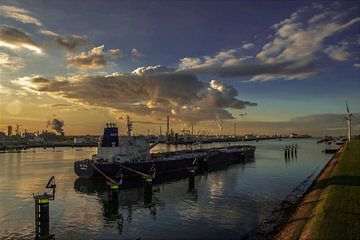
17,137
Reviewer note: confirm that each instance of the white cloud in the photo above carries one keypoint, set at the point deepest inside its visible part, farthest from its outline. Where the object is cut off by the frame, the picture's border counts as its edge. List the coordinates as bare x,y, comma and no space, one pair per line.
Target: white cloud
18,14
293,52
222,58
48,32
357,65
299,42
248,45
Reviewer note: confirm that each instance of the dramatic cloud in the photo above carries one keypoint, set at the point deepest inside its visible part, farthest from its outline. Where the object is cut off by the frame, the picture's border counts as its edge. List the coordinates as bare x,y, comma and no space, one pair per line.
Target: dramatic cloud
72,42
14,38
9,63
297,42
357,65
136,53
18,14
292,53
148,91
93,59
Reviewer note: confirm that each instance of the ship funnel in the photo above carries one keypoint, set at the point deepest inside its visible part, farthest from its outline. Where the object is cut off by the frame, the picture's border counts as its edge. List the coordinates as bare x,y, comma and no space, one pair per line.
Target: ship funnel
110,137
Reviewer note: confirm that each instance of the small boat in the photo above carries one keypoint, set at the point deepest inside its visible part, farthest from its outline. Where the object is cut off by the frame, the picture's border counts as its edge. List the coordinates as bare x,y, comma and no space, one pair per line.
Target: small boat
330,150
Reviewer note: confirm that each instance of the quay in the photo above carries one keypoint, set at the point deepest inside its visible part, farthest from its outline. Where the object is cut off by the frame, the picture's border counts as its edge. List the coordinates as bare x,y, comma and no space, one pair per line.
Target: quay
19,147
330,209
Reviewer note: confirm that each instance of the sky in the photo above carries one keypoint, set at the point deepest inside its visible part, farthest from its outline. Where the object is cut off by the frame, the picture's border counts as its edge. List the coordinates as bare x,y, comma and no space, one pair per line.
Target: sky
268,66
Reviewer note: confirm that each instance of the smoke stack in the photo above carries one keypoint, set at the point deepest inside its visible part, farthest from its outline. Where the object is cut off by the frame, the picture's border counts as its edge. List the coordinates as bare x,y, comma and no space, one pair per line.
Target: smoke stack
167,125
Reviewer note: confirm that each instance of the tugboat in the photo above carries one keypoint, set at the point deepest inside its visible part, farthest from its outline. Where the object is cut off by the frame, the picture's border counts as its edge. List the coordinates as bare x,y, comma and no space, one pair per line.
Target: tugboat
129,156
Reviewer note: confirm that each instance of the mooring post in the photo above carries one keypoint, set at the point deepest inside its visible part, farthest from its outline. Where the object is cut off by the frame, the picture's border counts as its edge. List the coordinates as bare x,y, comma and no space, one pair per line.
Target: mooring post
191,172
113,192
42,216
205,164
42,211
148,189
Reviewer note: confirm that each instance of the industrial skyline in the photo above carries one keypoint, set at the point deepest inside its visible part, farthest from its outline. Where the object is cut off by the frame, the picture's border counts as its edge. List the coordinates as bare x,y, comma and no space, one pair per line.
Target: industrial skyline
218,66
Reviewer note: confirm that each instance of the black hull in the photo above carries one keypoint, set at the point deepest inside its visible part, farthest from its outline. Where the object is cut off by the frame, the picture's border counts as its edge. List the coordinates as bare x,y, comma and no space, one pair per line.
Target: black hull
84,169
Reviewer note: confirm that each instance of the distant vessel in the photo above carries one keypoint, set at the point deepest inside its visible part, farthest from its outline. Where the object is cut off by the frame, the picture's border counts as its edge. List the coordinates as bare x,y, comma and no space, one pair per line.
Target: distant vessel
295,135
130,156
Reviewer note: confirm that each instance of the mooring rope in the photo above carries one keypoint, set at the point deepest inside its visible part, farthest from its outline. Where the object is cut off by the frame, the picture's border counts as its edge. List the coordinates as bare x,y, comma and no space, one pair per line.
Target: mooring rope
97,169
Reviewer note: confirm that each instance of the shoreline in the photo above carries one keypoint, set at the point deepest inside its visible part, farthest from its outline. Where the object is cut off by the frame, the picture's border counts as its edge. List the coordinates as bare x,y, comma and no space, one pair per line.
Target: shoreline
329,204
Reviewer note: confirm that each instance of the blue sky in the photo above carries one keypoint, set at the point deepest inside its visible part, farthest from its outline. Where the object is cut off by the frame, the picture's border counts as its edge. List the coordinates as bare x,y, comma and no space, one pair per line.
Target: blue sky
289,58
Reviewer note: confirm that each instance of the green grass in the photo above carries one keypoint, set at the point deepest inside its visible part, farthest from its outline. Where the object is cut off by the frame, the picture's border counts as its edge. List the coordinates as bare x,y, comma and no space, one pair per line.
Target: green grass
337,214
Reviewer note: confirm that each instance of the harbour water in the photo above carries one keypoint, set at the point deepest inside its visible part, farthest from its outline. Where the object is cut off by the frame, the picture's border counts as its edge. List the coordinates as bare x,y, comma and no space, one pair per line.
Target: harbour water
228,203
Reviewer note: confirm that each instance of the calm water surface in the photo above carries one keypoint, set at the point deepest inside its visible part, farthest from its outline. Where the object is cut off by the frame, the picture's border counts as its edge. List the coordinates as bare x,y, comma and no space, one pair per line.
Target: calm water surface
227,203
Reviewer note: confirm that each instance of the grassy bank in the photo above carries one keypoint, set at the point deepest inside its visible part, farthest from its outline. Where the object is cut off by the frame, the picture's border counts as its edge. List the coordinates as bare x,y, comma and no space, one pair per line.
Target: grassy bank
331,209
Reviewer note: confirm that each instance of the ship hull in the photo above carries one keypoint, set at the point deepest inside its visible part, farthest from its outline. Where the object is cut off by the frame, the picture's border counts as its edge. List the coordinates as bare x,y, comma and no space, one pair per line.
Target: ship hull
88,169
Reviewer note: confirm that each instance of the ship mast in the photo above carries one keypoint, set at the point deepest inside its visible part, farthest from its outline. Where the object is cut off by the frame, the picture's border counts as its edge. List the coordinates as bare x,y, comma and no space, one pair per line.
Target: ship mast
129,124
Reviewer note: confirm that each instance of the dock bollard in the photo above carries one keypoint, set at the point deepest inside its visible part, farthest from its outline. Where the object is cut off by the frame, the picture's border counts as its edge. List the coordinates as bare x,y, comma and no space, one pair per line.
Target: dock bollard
148,189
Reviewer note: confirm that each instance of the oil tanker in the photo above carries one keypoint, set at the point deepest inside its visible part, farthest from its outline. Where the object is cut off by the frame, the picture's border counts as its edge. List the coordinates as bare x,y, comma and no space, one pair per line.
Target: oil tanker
129,156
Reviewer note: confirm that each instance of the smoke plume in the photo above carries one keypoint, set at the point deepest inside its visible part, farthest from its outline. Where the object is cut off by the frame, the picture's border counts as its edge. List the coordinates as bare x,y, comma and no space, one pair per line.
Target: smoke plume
56,124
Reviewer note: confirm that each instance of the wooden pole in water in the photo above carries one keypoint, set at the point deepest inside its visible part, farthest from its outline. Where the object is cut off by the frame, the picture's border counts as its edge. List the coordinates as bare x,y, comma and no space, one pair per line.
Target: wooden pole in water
191,179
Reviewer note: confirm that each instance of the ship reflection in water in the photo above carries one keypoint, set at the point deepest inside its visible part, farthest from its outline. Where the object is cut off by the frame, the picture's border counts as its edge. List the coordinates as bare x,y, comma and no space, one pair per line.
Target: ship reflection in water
119,205
118,208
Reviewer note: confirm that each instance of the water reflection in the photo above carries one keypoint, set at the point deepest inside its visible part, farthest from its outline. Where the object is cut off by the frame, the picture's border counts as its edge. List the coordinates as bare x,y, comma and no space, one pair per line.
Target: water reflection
124,202
227,202
118,208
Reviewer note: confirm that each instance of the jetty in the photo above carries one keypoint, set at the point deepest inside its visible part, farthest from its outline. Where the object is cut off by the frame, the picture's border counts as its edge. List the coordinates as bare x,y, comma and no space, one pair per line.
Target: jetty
330,209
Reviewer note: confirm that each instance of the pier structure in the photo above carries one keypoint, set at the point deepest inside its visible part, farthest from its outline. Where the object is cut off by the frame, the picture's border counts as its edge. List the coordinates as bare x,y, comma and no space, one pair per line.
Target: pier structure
290,151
